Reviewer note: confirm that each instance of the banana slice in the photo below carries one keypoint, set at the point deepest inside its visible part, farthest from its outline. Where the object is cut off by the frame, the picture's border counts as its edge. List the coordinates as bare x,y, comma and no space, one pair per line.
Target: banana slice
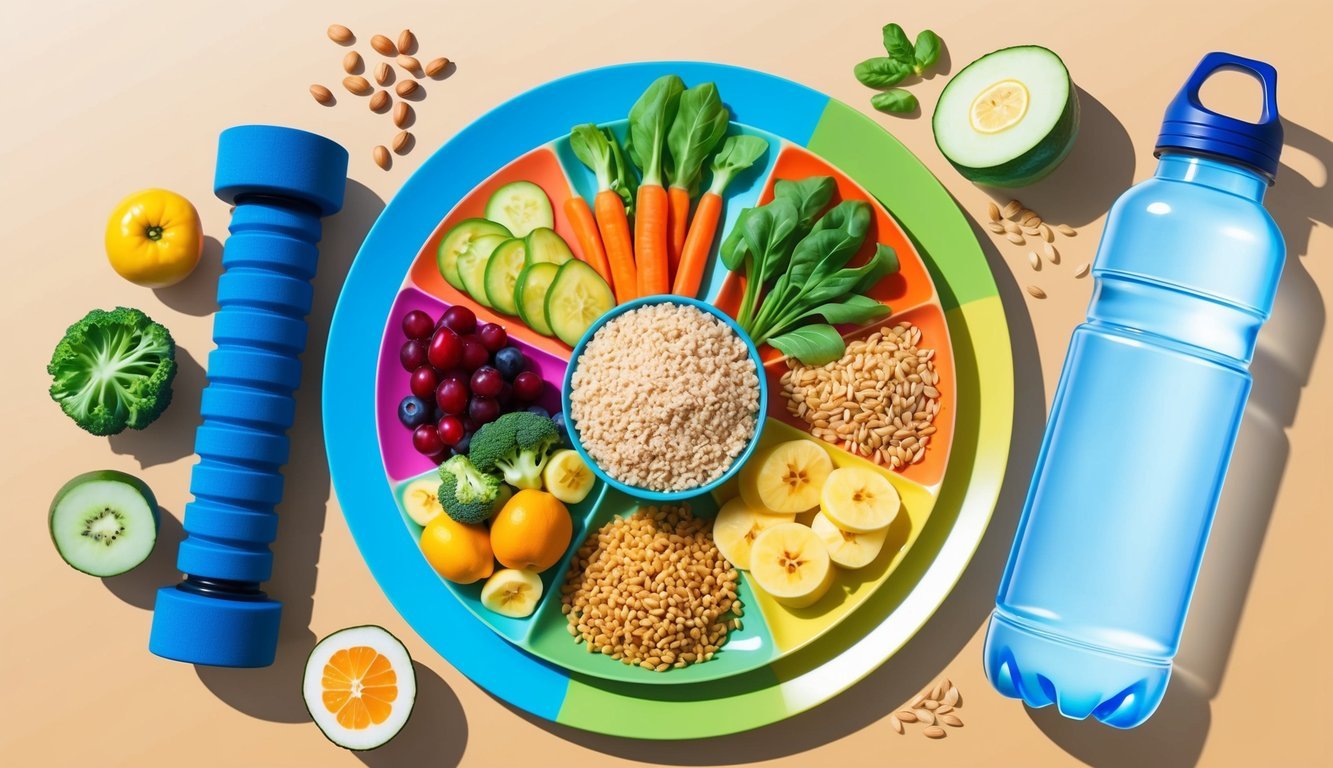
736,527
789,562
847,549
421,500
787,477
567,478
859,500
511,592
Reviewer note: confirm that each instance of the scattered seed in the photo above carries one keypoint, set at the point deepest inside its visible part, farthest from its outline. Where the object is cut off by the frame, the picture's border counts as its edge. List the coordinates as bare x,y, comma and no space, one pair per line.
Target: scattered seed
383,46
925,716
383,73
943,709
1030,230
381,157
1047,233
1036,292
1082,270
406,88
436,66
896,724
407,42
1052,255
1011,208
379,101
357,85
402,143
995,227
906,715
1034,261
322,95
1009,226
934,732
409,63
1015,238
1066,230
930,704
402,114
992,211
951,698
953,721
352,63
340,34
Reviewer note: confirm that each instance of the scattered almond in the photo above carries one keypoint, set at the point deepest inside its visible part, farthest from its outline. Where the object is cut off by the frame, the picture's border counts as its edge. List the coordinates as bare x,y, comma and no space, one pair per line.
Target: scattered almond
896,724
943,709
407,42
409,63
357,85
1015,238
1082,270
381,157
383,46
380,101
1047,233
953,721
402,113
1036,292
322,95
1009,226
402,143
1010,208
1066,230
906,715
992,211
340,34
436,66
1052,255
925,716
934,732
406,88
383,73
931,705
352,63
995,227
951,698
1034,261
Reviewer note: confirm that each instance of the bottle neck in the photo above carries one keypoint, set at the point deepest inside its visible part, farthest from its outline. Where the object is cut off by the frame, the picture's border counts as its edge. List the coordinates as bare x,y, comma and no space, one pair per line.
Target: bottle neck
1209,171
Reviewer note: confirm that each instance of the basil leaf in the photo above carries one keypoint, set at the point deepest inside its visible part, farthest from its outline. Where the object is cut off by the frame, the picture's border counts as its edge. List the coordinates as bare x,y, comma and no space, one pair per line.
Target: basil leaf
810,195
926,52
854,309
895,100
898,45
817,344
649,119
701,122
881,71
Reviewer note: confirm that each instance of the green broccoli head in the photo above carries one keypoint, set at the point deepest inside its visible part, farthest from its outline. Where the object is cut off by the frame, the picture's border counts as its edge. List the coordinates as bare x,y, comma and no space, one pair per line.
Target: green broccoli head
113,370
467,494
516,445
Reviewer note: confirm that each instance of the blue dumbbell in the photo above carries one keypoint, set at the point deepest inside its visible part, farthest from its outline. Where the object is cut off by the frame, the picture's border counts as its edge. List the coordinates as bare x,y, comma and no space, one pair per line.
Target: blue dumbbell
282,182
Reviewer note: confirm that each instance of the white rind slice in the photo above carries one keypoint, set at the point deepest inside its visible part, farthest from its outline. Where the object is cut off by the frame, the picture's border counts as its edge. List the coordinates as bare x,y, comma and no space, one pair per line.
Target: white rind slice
313,689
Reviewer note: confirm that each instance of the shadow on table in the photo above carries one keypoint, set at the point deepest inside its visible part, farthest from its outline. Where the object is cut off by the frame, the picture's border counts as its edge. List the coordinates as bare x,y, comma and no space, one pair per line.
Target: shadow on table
139,586
273,693
919,662
171,437
1281,368
197,294
435,736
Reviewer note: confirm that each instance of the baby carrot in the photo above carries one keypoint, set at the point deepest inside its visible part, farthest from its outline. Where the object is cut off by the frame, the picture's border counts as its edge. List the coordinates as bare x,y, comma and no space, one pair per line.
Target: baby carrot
698,245
678,220
650,240
649,121
614,226
590,241
593,148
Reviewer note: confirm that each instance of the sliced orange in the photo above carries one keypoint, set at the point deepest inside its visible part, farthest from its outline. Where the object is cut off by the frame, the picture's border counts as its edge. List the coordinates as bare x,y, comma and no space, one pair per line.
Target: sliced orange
360,687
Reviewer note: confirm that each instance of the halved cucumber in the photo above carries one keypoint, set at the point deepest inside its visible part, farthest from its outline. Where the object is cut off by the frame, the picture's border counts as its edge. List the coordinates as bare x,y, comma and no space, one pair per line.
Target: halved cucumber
472,266
462,238
1008,118
520,207
502,275
104,523
544,245
533,284
577,297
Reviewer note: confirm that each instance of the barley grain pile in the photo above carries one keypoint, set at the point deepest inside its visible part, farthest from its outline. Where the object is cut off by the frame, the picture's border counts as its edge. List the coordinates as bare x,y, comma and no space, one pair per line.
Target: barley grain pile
665,397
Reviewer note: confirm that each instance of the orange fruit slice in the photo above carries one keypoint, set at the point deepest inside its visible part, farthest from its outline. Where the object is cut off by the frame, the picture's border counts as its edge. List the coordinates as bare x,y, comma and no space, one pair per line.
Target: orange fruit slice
360,687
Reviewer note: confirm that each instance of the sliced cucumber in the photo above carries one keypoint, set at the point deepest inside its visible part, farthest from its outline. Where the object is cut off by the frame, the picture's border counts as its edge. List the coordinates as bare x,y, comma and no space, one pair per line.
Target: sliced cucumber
502,275
520,207
533,284
472,266
577,297
459,240
1008,118
104,523
544,245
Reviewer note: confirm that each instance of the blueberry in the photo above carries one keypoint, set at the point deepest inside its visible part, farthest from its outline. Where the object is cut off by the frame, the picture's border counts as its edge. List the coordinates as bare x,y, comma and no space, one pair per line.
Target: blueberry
510,361
562,428
413,412
537,409
461,446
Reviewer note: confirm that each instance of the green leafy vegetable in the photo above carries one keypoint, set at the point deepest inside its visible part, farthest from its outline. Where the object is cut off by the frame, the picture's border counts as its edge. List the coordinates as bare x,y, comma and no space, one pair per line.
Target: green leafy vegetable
817,344
854,309
894,100
623,180
649,121
926,52
700,123
810,195
881,72
767,233
898,44
592,149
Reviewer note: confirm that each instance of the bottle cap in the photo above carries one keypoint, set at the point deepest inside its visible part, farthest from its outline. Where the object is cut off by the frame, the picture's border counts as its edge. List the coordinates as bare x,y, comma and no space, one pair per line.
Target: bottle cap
1188,124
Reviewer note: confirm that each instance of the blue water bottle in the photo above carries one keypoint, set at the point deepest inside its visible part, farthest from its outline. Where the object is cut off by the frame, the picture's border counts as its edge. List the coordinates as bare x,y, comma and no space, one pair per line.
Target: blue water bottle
1093,600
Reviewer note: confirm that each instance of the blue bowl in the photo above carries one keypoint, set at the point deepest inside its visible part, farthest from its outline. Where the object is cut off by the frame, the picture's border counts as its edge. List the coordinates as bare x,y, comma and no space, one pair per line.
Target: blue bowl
643,493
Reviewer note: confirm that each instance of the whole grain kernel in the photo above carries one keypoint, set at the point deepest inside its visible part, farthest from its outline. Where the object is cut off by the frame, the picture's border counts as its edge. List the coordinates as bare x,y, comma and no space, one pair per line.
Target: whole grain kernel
383,46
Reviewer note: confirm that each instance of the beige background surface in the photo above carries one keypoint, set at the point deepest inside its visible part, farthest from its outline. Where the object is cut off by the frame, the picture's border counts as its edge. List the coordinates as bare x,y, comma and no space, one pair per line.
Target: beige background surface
107,97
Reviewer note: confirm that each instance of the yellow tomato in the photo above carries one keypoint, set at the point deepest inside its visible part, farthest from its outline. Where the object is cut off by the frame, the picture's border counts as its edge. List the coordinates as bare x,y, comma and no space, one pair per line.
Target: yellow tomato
532,531
154,238
460,553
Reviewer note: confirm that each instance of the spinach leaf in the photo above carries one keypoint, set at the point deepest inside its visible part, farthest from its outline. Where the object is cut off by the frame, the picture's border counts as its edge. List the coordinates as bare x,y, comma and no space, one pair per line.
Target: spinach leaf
622,175
591,148
767,232
894,100
853,309
836,287
810,196
881,72
733,248
898,45
649,120
700,123
926,52
817,344
830,245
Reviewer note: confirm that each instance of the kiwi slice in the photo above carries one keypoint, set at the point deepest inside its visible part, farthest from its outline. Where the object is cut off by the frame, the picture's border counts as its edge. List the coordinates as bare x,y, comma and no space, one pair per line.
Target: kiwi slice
104,523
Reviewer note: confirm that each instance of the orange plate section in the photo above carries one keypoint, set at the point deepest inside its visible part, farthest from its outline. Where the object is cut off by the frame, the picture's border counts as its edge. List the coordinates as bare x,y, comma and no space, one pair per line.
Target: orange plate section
540,167
934,335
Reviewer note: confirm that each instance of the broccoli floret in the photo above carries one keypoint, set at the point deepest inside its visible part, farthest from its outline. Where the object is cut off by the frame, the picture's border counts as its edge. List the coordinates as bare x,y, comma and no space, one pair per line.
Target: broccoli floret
516,445
113,370
467,494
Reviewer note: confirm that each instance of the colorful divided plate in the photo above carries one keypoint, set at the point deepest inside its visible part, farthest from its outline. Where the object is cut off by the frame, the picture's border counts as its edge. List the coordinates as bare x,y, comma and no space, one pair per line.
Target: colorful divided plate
944,288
